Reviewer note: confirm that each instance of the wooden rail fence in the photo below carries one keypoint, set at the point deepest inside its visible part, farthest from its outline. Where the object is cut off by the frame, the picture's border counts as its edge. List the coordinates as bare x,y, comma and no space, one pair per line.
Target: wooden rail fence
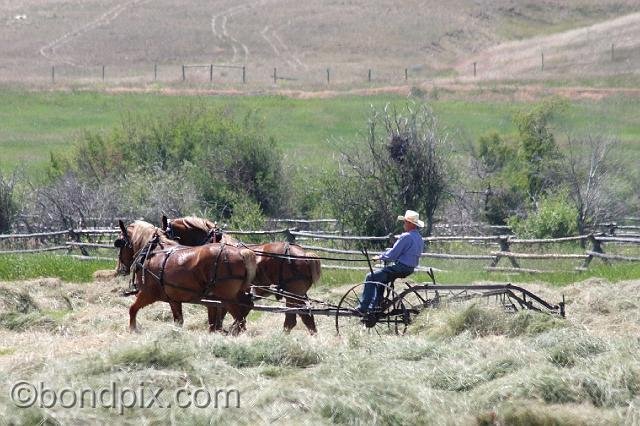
93,239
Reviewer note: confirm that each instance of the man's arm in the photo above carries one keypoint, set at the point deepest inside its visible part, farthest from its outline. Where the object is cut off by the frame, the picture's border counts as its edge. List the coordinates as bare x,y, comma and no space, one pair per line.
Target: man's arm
398,248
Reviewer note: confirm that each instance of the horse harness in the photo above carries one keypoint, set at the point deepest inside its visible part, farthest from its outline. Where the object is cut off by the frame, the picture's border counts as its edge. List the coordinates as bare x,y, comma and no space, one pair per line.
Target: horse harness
296,273
143,256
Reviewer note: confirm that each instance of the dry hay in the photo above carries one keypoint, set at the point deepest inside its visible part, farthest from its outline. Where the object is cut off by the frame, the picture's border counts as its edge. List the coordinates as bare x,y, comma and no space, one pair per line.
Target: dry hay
463,378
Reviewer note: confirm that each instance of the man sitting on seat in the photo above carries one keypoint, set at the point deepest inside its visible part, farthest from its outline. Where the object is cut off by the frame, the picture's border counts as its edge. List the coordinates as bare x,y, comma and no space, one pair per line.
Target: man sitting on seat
405,254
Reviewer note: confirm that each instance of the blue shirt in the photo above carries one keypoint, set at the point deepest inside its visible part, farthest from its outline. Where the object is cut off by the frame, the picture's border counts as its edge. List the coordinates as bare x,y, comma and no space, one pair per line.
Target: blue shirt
406,250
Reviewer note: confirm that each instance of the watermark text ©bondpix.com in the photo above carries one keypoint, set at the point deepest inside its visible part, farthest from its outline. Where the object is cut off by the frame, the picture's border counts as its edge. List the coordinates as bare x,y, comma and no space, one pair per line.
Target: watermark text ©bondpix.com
26,394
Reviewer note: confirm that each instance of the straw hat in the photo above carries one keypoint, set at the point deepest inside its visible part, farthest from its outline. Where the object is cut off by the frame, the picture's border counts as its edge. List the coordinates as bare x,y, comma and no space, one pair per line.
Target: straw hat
413,217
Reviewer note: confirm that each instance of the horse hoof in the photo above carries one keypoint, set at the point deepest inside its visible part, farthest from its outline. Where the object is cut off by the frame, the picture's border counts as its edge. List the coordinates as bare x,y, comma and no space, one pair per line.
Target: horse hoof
218,330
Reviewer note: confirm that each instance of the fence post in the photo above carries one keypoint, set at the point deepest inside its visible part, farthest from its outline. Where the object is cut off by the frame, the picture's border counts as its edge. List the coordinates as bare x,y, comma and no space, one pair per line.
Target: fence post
76,237
596,248
406,74
289,236
328,77
503,240
103,73
542,61
611,52
275,75
53,73
474,70
155,72
369,75
210,73
244,74
183,76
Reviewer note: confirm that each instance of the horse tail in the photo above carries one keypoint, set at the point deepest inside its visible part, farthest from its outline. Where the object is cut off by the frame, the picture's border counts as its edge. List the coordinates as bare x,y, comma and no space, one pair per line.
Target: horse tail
314,266
250,264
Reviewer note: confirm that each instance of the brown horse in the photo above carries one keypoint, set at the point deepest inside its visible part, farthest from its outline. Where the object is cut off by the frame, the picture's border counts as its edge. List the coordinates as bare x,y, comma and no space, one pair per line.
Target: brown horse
167,271
281,265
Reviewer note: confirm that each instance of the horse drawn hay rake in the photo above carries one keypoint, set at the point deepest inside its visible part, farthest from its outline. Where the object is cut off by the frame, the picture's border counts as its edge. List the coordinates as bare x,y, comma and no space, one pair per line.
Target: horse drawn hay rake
399,306
184,274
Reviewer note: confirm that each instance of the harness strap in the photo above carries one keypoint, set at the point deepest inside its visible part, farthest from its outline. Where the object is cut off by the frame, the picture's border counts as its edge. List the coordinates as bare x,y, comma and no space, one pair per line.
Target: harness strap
144,254
164,263
212,283
280,285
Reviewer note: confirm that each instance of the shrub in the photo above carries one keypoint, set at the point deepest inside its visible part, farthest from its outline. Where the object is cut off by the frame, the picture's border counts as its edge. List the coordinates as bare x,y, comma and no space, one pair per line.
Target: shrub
555,217
8,204
198,159
502,204
403,162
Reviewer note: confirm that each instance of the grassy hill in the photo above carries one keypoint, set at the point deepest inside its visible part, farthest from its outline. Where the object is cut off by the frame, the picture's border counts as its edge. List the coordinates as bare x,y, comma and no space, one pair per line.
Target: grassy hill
432,39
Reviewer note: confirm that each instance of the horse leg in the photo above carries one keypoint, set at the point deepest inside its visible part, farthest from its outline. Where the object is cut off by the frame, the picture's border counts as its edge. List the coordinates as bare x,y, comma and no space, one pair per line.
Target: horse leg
240,321
239,314
176,310
216,318
310,322
143,299
307,319
290,319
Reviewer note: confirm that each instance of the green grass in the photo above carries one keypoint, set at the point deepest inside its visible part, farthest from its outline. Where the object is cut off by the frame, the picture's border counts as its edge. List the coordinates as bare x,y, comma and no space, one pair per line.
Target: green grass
28,266
36,123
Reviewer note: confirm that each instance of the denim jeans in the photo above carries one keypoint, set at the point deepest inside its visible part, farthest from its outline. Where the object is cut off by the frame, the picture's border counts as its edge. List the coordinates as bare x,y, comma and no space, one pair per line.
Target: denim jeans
372,293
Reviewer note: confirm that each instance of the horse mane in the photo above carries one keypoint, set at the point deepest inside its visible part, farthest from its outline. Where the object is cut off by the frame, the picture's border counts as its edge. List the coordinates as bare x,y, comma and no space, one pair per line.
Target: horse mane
142,232
198,223
228,239
193,222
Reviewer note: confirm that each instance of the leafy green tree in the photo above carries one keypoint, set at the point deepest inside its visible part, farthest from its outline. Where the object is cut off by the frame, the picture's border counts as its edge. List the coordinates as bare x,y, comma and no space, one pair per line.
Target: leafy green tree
494,152
514,171
539,153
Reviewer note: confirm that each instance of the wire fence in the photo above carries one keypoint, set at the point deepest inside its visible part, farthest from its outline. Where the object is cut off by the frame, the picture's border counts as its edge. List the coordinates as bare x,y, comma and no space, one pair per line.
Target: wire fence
606,57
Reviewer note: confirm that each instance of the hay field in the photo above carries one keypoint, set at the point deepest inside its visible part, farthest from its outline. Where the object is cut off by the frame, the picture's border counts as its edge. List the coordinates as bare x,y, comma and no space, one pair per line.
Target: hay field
463,364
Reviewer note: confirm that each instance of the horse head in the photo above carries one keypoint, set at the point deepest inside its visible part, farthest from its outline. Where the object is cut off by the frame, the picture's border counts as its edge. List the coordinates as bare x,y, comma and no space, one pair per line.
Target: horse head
168,229
133,238
126,252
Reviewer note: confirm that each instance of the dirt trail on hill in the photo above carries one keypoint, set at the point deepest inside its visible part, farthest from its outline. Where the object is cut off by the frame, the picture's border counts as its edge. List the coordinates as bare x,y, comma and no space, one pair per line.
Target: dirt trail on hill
586,49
